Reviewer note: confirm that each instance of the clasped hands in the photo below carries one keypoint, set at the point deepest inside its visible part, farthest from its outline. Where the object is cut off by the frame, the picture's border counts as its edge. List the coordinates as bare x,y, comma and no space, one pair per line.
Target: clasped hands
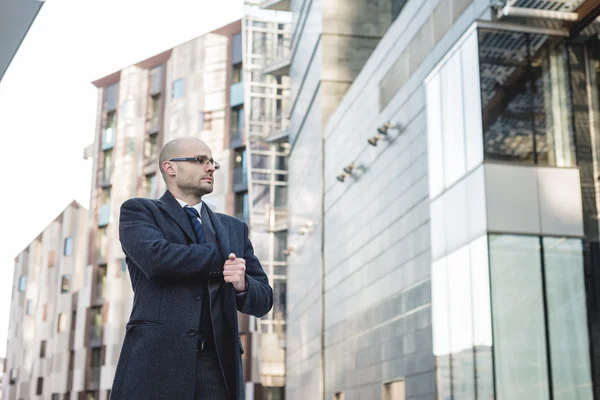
234,272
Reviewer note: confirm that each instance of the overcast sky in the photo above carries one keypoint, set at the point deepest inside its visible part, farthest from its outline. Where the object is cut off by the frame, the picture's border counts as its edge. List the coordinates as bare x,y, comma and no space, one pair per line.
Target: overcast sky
48,105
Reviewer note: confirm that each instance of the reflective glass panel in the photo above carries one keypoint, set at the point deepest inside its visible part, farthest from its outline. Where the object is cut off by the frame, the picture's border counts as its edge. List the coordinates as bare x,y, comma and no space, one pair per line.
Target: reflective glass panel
518,318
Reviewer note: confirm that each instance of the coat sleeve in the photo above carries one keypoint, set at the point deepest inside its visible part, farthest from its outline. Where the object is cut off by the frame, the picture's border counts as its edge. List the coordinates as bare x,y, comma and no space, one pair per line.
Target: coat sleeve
145,245
258,298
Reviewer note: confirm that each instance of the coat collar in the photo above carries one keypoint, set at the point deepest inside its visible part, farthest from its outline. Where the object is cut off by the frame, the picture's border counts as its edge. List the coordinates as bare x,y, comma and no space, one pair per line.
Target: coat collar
168,203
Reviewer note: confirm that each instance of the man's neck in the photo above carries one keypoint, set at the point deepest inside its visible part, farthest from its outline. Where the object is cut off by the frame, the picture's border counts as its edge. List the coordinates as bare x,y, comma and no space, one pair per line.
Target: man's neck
191,200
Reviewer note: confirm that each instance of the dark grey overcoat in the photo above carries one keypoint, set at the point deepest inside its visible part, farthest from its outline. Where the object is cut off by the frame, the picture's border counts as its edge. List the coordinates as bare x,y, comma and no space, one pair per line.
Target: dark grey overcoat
167,269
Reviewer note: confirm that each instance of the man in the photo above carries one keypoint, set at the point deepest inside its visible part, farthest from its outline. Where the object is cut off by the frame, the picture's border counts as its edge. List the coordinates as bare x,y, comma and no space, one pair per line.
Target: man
190,270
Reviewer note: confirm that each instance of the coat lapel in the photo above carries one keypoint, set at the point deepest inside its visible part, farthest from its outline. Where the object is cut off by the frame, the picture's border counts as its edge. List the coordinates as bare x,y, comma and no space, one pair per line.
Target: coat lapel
221,231
168,203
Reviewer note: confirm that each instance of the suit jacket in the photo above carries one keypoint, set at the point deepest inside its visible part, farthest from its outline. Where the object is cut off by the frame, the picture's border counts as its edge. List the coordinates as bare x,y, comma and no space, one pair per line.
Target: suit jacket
167,269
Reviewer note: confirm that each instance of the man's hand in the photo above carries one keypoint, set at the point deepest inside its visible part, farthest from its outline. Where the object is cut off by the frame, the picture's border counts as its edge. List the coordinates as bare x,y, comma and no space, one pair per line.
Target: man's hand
234,272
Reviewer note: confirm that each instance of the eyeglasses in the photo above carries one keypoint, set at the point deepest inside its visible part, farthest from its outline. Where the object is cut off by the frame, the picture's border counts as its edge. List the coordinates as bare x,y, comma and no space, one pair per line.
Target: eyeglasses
200,160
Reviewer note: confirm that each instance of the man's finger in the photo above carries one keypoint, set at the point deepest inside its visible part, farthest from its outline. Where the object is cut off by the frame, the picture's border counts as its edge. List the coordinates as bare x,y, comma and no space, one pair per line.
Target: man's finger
232,256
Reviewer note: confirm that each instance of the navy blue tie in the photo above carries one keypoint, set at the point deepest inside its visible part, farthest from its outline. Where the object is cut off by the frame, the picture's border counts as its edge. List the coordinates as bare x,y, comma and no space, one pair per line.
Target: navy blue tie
198,230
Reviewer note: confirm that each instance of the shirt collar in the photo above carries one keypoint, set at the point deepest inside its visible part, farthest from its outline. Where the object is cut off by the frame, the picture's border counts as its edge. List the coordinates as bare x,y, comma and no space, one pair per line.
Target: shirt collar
198,206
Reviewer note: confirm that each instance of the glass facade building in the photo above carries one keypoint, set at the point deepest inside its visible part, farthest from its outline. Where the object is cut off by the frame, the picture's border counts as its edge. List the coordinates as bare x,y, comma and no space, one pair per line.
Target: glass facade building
457,194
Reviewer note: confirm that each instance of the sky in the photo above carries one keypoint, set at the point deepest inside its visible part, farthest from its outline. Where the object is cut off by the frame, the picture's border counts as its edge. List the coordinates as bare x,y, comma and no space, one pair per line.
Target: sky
48,104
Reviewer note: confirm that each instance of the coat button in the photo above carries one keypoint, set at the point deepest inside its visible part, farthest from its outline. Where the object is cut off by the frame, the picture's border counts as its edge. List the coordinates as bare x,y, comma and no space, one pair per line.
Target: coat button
198,296
192,332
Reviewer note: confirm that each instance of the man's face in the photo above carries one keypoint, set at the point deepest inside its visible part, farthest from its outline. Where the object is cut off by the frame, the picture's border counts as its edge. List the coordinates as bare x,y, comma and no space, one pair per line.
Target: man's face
195,177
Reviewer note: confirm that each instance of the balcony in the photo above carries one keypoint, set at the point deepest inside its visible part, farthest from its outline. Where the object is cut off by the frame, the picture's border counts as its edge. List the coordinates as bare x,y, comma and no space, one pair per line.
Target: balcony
277,5
236,94
104,215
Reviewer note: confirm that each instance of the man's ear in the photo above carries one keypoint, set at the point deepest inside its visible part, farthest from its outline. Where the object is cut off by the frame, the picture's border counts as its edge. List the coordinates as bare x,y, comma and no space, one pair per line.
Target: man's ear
168,167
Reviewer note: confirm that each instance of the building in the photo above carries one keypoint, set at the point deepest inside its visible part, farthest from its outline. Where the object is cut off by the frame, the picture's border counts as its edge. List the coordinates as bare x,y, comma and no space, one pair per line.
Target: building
47,277
446,154
266,38
194,89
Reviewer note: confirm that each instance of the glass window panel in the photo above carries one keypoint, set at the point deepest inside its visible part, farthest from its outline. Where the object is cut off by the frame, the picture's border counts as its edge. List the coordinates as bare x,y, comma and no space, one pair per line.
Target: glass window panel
65,284
68,249
178,88
505,96
22,283
236,48
567,319
461,324
441,327
62,323
482,318
554,134
434,137
518,318
107,166
472,102
452,119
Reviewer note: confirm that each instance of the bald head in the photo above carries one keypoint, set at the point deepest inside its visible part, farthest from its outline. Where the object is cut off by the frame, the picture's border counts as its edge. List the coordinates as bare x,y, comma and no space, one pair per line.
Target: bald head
175,148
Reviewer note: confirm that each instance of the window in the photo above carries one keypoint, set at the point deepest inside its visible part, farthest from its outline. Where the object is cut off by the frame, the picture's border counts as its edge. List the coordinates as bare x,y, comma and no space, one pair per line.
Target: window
62,323
100,280
280,245
67,396
338,396
525,99
95,323
73,320
105,196
55,396
123,265
43,349
68,246
178,88
107,167
112,93
241,206
108,136
151,186
237,53
518,318
102,241
237,123
71,360
40,386
567,319
65,284
240,171
14,375
29,310
238,73
22,283
279,296
201,121
151,149
156,79
96,357
154,114
394,390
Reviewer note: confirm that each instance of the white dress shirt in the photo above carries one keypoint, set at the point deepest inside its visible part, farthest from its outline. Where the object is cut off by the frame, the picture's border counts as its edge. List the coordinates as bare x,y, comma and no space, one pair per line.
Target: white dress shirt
198,207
